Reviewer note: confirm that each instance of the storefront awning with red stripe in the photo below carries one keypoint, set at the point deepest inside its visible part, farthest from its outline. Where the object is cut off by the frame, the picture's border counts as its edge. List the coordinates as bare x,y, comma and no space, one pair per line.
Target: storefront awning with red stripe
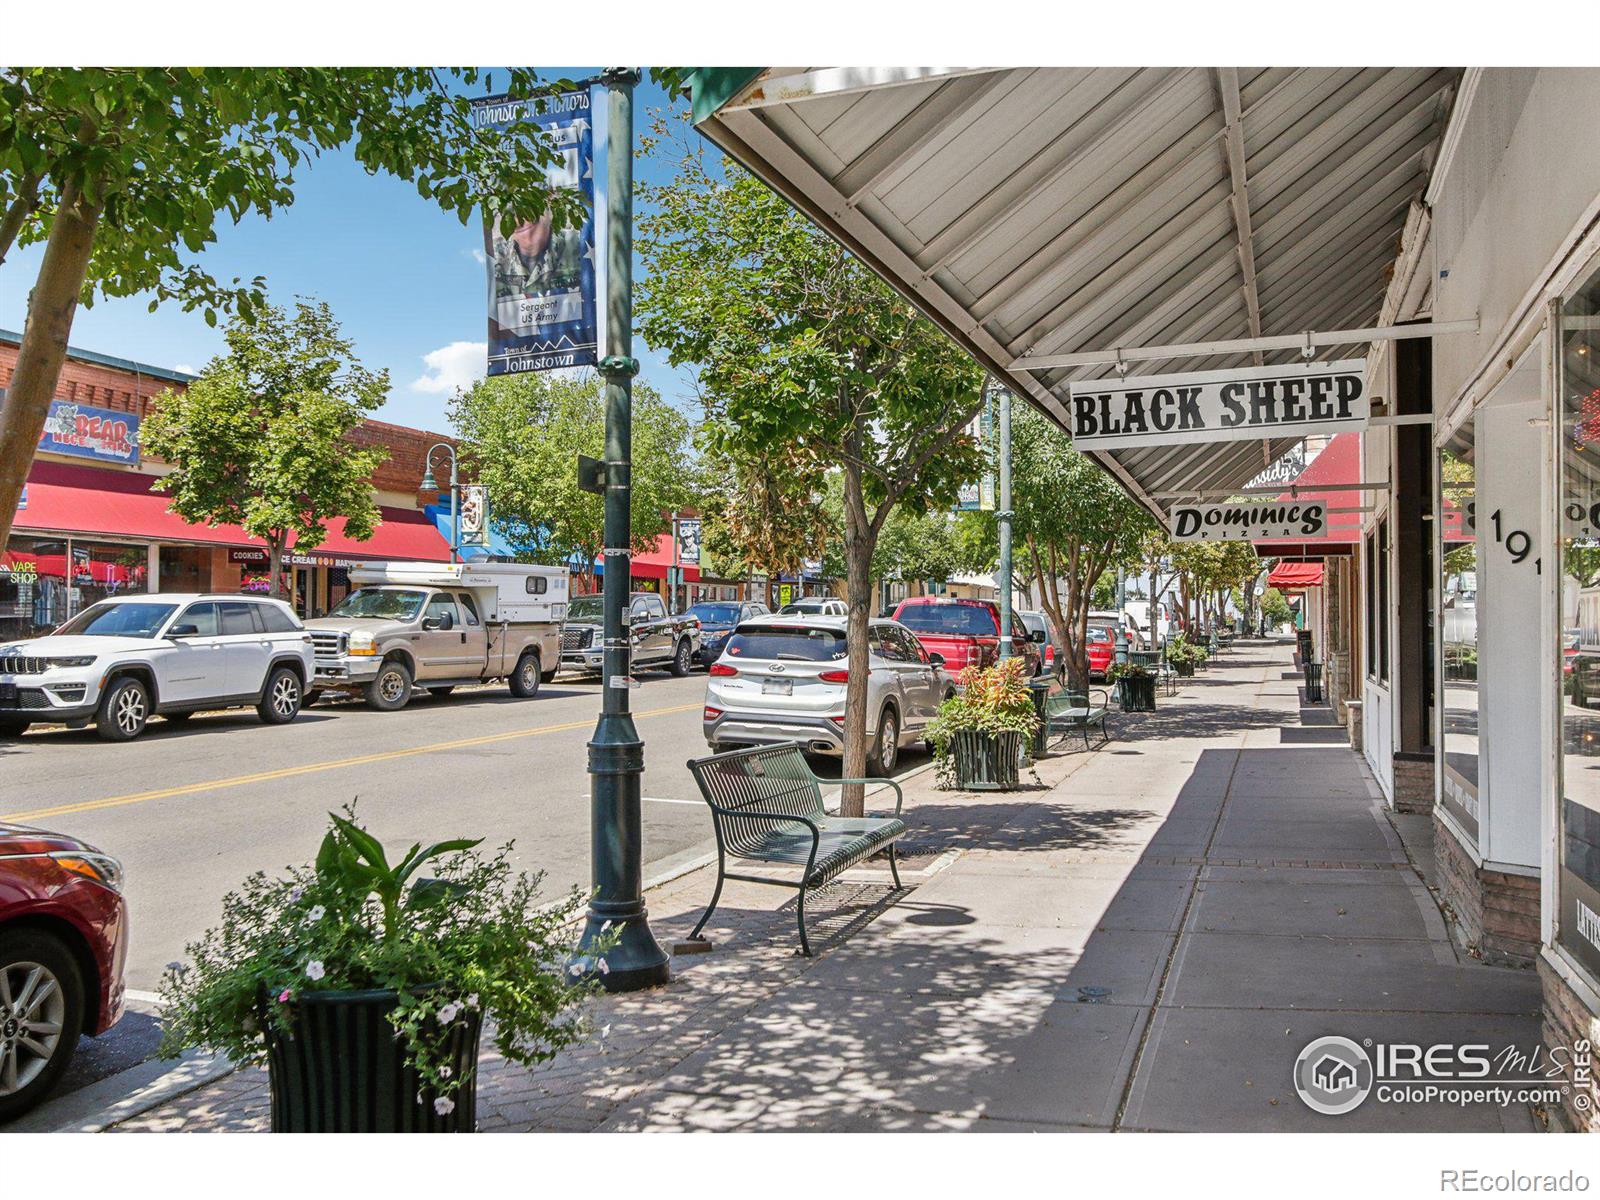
1338,463
1288,575
118,504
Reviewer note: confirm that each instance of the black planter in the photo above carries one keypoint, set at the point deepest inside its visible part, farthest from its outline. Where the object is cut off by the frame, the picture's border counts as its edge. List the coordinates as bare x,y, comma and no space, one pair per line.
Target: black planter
1183,669
1137,693
342,1069
986,762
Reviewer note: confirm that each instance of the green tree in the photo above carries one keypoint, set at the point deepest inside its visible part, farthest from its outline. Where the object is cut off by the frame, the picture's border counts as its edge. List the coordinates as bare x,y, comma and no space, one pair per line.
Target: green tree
520,436
123,173
807,360
758,521
261,439
1275,608
1074,523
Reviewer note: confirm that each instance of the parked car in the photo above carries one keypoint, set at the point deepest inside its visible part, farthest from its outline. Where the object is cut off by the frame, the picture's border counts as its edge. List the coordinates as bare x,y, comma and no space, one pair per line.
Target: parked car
441,626
1043,632
783,679
965,632
718,618
1101,650
63,939
815,606
657,639
121,660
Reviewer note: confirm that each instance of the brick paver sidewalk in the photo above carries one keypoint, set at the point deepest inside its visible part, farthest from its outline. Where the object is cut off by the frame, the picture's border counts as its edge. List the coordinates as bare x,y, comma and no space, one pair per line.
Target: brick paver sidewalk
1144,940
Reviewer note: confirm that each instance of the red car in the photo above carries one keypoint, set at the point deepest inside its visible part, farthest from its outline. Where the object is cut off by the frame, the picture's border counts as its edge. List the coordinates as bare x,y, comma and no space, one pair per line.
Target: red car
63,939
965,631
1101,649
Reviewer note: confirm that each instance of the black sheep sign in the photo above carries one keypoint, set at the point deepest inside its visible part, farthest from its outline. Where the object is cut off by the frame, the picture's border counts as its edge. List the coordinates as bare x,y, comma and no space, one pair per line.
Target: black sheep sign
1220,406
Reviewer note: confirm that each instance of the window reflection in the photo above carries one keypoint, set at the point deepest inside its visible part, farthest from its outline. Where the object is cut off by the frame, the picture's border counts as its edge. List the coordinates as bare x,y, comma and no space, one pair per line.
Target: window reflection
1460,701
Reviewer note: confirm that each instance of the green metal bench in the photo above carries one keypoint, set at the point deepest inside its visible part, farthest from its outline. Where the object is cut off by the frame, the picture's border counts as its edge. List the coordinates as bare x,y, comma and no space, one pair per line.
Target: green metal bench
766,807
1067,713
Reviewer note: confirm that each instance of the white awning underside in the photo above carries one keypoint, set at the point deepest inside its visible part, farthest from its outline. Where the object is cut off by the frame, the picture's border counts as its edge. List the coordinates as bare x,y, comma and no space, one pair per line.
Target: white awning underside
1052,211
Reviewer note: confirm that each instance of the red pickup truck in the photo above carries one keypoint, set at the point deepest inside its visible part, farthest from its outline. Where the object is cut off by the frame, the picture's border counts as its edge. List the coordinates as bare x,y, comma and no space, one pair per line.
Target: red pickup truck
965,631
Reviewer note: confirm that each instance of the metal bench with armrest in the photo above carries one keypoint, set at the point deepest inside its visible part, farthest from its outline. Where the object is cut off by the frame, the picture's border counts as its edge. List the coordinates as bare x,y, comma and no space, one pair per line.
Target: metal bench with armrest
766,807
1076,712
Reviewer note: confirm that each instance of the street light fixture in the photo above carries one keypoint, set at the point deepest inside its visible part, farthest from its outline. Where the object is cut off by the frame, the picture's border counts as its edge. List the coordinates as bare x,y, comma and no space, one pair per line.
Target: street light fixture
430,484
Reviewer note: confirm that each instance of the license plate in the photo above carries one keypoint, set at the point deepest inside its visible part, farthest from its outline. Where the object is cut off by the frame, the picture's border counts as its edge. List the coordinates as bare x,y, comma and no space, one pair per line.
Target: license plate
777,687
8,693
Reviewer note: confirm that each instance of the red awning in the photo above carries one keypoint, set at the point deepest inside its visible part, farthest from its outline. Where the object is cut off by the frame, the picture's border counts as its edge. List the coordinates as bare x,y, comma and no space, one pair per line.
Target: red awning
655,562
84,500
1339,462
1295,575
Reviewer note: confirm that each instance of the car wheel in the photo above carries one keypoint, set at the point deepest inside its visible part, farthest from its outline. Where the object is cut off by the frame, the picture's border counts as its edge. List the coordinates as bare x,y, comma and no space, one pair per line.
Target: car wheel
391,690
124,709
525,680
441,692
280,700
885,754
41,1015
13,728
683,660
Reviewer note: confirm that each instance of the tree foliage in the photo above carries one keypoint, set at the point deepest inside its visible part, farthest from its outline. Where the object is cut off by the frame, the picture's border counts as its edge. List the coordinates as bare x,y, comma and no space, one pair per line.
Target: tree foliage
125,172
521,435
1074,523
261,439
806,361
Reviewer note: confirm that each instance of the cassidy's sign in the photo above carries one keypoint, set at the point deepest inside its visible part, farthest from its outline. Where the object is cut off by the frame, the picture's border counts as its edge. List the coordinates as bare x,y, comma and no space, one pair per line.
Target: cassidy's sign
1219,522
1220,406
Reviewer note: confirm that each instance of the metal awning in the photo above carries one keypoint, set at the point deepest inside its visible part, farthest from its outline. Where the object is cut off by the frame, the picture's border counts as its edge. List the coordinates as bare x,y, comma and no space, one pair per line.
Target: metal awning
1051,211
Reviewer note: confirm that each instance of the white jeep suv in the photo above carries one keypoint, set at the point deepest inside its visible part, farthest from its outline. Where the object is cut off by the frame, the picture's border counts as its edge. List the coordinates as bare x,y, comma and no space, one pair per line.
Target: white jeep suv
120,660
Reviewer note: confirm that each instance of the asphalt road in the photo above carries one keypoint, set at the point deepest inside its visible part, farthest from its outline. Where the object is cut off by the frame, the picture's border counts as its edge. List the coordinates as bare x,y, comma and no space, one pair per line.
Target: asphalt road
192,809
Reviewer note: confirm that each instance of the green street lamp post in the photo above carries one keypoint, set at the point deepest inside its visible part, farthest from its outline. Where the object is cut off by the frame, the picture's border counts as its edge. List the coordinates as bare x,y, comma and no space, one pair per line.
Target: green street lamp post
616,752
1004,517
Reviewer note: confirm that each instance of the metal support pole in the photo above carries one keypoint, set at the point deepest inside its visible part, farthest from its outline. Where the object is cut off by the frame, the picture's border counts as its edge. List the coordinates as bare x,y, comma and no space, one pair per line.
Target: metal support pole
1004,514
455,510
616,752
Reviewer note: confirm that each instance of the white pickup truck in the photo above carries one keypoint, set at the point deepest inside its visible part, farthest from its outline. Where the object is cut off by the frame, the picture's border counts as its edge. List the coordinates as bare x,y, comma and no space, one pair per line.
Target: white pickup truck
439,626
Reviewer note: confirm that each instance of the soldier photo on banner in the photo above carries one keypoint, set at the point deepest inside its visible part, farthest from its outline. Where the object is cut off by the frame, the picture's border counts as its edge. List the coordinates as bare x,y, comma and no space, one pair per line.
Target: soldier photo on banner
474,515
542,311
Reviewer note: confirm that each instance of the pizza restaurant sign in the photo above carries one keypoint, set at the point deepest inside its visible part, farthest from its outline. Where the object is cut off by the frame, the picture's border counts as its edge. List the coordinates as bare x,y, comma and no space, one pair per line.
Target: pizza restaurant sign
1235,522
1246,403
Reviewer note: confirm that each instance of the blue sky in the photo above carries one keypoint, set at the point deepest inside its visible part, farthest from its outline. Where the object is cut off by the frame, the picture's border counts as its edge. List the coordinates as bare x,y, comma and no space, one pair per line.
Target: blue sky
405,279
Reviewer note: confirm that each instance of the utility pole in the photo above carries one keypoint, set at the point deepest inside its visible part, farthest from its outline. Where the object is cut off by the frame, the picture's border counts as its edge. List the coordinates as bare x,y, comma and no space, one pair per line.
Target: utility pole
1004,514
616,752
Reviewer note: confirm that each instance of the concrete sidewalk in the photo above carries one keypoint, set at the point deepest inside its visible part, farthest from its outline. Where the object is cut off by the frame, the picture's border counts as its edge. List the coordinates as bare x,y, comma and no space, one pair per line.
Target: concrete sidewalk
1145,940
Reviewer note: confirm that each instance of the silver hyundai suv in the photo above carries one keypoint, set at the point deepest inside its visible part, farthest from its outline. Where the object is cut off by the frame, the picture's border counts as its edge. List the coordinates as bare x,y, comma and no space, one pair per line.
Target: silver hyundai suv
174,654
783,678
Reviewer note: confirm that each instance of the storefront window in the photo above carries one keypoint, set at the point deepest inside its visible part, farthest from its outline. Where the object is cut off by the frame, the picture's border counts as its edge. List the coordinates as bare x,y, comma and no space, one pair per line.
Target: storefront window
33,587
1460,702
103,570
1578,842
182,568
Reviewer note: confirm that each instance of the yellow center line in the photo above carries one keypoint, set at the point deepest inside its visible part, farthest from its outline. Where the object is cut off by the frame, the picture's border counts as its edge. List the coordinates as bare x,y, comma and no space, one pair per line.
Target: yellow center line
189,789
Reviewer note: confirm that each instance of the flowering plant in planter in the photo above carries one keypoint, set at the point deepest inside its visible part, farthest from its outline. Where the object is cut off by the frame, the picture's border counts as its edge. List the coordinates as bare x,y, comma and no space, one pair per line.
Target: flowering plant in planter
1184,654
469,940
993,703
1127,670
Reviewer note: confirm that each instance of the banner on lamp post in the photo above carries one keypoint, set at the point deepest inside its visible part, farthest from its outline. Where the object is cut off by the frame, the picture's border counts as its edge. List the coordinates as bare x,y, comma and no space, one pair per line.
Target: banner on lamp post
1241,404
542,312
474,515
689,541
1248,522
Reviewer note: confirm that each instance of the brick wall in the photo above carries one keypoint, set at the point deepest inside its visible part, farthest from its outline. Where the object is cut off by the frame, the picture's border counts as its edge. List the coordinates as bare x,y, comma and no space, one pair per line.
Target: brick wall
1568,1021
129,391
1497,912
1413,783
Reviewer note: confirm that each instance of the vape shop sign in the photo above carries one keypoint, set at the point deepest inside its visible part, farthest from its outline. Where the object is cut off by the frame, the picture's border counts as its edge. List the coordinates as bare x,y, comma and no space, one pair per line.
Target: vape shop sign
1238,522
1242,404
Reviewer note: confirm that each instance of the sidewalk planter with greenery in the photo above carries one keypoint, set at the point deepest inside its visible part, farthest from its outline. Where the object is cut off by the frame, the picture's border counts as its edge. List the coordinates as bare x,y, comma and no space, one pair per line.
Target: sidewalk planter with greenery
981,734
1136,687
363,987
1183,655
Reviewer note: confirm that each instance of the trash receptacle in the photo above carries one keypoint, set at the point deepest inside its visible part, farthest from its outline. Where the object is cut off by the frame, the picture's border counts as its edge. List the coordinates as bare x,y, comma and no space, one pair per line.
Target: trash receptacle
1314,682
1040,690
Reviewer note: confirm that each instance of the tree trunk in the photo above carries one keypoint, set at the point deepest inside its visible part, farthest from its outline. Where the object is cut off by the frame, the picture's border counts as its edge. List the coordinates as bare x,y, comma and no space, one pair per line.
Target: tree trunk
275,566
21,207
860,539
44,346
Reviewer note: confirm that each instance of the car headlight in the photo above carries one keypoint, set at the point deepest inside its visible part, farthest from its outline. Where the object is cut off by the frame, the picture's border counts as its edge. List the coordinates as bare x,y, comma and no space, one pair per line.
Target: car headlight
363,643
77,660
91,864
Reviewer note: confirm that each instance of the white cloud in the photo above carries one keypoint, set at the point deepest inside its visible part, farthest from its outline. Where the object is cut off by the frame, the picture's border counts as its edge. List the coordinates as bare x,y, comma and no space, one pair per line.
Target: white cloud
475,254
458,365
185,369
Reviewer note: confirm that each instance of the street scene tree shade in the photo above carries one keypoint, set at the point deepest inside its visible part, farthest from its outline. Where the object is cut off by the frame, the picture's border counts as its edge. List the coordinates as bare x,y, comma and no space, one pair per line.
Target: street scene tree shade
757,521
1075,524
123,173
805,360
521,435
261,439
